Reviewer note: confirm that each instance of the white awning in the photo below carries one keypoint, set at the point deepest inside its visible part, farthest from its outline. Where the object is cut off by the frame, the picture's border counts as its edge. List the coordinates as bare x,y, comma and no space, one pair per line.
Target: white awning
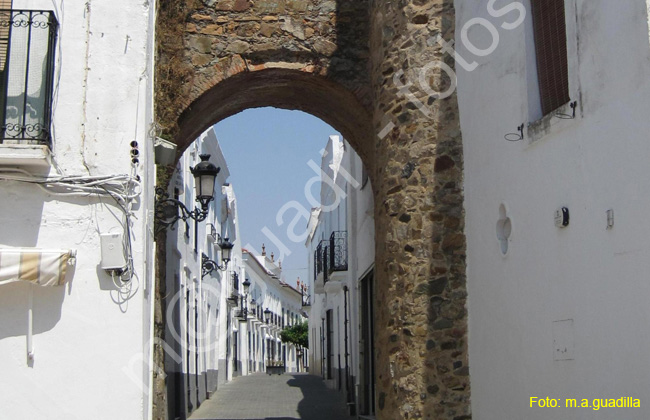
36,266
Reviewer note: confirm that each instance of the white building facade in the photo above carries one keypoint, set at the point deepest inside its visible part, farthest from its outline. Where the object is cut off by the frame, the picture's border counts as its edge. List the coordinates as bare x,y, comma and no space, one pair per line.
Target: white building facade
270,305
76,248
217,306
201,286
557,223
341,257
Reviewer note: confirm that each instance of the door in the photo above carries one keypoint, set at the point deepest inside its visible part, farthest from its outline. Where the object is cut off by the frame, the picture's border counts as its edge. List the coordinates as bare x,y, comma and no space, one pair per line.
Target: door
329,327
367,346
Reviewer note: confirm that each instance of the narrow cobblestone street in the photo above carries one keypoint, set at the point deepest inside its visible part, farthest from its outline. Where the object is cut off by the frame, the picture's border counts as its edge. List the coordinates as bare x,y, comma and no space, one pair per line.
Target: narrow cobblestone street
280,397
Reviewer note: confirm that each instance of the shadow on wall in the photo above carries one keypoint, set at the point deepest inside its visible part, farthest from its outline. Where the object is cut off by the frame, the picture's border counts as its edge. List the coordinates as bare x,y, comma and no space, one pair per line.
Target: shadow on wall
318,402
14,305
349,56
350,61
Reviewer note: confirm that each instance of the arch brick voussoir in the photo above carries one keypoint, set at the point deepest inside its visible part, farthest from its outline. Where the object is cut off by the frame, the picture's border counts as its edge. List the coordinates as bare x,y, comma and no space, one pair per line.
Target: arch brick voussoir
280,86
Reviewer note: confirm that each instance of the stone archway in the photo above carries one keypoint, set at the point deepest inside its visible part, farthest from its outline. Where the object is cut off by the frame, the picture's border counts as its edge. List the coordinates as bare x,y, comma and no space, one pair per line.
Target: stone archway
280,88
336,60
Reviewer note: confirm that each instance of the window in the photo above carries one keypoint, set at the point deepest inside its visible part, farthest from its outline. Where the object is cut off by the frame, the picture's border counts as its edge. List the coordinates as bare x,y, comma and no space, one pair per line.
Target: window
549,25
330,344
27,40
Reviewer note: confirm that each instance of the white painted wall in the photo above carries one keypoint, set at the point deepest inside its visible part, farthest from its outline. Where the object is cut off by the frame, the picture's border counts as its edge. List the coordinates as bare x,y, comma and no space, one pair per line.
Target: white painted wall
585,273
269,291
207,295
349,207
230,230
91,345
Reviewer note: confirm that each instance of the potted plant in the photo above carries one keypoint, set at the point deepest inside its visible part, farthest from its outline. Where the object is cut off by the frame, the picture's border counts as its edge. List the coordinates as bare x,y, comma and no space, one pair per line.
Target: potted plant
275,367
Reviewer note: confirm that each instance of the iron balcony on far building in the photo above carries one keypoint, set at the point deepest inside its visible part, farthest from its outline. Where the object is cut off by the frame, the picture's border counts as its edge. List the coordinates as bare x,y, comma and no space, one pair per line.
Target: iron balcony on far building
330,259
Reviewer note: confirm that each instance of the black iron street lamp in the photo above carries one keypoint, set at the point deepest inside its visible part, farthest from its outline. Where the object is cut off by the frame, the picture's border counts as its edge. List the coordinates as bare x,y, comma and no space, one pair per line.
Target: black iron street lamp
208,265
226,250
244,301
170,210
267,315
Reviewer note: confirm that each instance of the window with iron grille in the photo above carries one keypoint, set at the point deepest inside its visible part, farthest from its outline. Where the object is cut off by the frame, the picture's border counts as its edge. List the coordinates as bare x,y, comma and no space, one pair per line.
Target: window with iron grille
549,25
27,41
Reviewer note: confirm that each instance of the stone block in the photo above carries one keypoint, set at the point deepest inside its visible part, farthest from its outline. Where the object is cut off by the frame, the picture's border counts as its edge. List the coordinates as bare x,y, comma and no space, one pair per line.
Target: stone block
238,47
212,29
202,44
241,5
224,5
325,47
270,6
201,60
268,29
294,28
297,5
247,30
201,17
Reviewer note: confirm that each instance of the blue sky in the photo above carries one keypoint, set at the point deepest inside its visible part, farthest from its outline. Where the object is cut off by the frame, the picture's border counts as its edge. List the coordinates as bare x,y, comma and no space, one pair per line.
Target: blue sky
267,151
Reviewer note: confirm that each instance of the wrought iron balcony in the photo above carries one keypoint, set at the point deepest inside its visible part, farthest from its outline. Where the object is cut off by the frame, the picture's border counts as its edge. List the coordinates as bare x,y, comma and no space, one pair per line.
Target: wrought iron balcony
321,259
233,299
241,314
27,53
338,251
235,282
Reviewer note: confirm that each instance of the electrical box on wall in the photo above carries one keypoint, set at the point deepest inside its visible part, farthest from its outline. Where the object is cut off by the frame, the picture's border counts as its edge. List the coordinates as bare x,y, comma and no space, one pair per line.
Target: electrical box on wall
562,217
113,258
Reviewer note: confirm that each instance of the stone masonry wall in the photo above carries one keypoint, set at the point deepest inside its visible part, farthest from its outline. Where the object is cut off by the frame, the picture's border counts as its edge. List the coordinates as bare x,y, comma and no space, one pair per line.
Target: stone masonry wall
203,43
422,363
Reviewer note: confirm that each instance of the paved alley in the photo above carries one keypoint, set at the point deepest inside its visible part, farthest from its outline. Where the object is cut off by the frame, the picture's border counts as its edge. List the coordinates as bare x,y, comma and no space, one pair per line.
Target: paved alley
280,397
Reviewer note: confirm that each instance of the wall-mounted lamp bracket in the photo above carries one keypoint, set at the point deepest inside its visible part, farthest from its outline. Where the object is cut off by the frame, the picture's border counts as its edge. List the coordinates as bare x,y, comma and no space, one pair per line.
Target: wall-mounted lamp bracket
208,266
169,210
519,135
574,106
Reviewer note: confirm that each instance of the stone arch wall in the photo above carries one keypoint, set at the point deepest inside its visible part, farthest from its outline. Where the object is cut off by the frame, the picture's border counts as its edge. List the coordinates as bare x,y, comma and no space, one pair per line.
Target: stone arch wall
336,59
280,88
200,44
422,336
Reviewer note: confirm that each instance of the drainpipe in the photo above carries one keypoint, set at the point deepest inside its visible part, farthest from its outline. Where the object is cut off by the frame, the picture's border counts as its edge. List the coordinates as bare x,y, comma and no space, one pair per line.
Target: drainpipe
322,347
348,388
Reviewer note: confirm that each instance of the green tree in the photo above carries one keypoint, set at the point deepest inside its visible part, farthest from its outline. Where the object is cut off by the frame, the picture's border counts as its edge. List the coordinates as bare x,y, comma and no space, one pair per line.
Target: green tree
297,334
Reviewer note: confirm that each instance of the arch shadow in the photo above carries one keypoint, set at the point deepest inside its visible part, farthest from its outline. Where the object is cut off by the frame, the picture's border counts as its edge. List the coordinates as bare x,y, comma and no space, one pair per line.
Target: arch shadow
319,402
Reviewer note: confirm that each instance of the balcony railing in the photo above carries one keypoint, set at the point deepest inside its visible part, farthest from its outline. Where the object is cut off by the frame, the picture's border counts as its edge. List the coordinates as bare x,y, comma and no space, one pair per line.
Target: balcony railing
331,255
233,299
27,52
235,281
338,251
321,258
241,314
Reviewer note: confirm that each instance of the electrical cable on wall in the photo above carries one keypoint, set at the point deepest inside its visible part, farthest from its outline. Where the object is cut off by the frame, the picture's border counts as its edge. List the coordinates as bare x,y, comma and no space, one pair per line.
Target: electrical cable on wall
121,188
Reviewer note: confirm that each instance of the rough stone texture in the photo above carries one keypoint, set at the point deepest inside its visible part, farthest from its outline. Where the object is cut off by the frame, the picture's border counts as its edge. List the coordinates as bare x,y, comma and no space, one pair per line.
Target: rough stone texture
424,374
219,57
